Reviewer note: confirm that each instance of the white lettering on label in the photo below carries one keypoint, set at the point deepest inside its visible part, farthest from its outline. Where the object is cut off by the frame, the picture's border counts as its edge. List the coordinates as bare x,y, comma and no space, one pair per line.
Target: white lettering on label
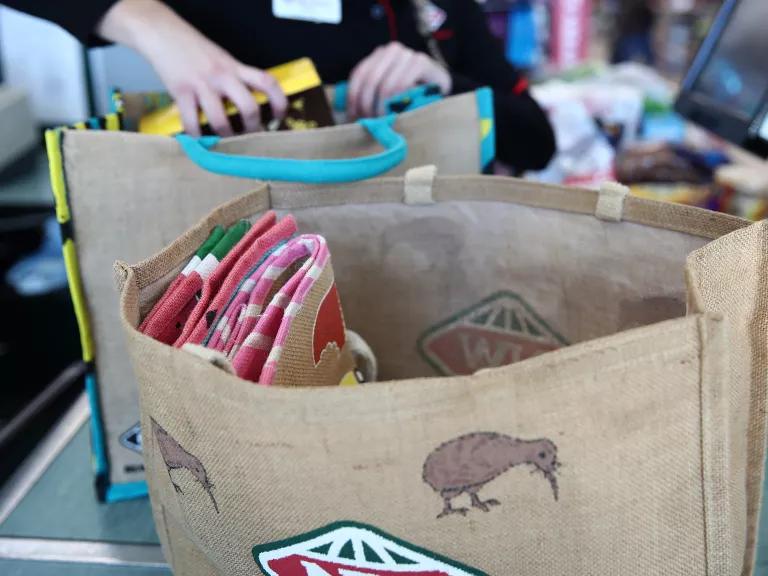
483,354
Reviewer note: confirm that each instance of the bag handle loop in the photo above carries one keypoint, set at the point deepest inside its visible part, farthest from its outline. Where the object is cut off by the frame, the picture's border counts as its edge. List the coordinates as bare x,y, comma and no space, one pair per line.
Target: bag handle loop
294,170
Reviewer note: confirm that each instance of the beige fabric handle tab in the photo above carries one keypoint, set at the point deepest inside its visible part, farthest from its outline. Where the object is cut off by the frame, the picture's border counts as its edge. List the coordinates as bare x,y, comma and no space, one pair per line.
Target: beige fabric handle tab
211,356
610,202
418,185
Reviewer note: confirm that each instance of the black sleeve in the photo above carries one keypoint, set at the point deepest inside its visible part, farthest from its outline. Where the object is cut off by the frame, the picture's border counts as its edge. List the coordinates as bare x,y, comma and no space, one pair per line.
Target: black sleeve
524,136
78,18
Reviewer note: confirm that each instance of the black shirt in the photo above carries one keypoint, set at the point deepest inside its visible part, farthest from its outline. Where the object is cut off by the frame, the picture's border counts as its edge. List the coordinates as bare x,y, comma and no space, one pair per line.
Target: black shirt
253,35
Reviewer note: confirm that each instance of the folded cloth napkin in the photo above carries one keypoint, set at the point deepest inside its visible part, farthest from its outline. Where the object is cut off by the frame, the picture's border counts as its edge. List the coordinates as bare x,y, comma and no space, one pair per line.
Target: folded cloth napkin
284,262
217,300
264,302
205,248
221,336
215,279
301,328
169,316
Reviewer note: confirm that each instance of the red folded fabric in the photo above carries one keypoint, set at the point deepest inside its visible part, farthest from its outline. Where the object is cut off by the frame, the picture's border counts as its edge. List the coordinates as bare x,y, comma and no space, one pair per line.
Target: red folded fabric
262,346
169,316
215,236
224,281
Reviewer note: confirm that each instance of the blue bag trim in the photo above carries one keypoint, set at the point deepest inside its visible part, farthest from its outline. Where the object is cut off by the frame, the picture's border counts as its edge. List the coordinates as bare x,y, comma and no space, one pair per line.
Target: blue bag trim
488,140
405,101
309,171
413,98
126,491
106,492
340,92
98,447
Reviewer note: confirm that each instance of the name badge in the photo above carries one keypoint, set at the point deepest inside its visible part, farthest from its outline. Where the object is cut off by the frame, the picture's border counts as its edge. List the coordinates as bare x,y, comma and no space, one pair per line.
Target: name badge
321,11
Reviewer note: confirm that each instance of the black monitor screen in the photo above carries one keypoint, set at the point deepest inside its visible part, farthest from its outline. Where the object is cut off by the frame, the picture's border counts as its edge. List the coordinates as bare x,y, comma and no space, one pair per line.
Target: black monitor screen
735,76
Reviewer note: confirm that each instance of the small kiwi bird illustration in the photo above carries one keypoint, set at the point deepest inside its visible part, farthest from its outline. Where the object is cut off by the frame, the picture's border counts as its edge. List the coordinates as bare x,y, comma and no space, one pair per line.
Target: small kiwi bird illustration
175,458
466,464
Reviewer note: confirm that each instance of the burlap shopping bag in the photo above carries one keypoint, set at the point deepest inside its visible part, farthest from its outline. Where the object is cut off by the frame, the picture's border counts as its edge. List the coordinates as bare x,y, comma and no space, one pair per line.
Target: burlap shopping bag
125,195
626,435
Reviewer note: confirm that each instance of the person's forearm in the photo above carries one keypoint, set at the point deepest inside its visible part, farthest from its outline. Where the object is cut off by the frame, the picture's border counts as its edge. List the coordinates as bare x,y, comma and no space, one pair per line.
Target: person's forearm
139,24
196,72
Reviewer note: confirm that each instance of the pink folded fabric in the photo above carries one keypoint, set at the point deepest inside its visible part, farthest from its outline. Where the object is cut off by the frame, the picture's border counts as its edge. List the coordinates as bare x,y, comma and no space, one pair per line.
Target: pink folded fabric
224,281
260,349
247,306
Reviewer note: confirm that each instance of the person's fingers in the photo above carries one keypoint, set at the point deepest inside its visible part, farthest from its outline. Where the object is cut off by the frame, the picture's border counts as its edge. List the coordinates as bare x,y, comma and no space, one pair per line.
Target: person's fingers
379,70
246,104
403,74
356,79
213,107
265,82
187,105
360,87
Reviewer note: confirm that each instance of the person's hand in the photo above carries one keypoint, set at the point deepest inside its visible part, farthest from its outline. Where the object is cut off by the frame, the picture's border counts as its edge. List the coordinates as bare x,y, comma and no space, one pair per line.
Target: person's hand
387,71
195,71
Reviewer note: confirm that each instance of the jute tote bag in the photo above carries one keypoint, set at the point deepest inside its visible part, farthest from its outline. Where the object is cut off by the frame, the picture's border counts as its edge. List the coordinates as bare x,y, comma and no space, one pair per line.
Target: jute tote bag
125,195
625,435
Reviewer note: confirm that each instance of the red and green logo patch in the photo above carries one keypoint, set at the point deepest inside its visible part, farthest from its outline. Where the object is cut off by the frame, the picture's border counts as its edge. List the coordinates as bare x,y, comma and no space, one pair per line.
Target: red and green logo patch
352,549
500,330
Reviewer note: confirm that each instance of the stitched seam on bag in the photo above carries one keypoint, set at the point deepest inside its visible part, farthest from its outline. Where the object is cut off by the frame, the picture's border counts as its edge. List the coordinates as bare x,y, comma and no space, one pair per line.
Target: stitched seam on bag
757,329
702,447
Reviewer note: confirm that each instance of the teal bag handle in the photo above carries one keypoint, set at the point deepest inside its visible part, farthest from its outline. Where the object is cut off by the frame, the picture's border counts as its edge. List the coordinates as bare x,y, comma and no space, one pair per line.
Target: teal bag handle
310,171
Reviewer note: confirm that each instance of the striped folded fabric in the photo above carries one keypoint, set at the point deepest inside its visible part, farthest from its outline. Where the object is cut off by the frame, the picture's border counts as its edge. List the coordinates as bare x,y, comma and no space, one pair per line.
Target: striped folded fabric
217,277
205,248
243,268
169,316
223,337
285,262
260,350
264,300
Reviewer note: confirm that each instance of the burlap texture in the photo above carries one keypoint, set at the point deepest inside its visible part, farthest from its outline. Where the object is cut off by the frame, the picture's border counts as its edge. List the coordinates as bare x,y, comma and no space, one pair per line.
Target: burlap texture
730,277
657,418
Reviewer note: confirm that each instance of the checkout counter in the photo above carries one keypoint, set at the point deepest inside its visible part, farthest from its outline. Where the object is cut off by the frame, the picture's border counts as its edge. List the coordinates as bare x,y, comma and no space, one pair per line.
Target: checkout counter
51,523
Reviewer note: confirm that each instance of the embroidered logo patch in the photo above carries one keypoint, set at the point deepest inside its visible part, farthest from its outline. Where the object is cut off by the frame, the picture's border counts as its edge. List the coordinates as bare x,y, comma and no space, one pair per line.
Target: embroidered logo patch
352,549
500,330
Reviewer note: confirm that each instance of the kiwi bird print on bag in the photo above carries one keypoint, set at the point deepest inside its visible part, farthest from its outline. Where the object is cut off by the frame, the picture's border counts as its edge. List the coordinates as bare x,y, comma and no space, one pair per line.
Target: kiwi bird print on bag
176,458
466,464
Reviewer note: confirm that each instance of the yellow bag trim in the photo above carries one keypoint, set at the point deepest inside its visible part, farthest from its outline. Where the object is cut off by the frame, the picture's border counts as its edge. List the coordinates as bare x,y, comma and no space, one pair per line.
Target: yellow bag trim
112,122
63,216
56,170
78,299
